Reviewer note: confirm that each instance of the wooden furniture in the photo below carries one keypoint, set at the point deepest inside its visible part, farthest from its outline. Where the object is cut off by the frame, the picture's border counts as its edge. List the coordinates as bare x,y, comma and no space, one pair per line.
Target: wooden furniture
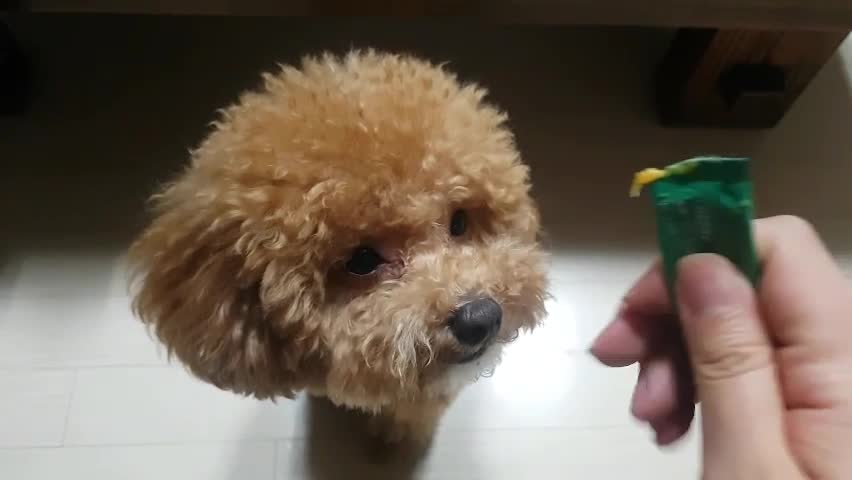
14,75
733,63
778,14
739,78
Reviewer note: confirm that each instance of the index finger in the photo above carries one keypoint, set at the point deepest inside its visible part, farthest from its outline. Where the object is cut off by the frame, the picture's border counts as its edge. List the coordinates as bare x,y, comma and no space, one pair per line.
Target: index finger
638,323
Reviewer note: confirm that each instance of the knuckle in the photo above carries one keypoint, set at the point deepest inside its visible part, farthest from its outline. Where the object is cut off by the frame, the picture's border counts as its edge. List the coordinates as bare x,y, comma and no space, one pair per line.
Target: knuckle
730,348
795,226
727,365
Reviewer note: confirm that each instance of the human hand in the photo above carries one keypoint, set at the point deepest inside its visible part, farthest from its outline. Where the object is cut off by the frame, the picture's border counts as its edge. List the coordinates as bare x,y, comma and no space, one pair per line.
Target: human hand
772,369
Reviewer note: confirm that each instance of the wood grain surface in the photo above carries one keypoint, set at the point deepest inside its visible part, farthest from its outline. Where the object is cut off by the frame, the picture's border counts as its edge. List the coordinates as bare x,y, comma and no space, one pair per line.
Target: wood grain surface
788,14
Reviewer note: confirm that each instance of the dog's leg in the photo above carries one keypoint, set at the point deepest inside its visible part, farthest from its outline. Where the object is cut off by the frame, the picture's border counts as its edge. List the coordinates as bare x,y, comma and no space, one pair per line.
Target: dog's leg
409,422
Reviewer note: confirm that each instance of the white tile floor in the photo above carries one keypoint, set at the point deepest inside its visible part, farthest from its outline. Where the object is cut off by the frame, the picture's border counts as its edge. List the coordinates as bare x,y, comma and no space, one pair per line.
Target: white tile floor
85,394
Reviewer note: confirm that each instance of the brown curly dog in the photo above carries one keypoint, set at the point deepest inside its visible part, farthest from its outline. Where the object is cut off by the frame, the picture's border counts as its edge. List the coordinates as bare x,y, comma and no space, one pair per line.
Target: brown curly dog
360,229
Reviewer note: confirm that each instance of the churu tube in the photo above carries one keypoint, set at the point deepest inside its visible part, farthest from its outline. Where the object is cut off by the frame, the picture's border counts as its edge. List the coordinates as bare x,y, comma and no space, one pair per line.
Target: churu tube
703,205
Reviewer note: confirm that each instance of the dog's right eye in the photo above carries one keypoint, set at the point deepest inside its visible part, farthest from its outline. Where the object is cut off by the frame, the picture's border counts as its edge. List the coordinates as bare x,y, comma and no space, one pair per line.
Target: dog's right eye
458,223
364,261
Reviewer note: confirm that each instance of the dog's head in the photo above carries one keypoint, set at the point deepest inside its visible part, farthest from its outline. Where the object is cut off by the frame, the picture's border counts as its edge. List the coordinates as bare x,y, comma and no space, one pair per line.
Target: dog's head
360,227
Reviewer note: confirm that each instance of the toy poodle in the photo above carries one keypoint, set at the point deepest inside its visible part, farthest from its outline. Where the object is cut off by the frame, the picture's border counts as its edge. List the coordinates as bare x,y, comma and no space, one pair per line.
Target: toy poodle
360,229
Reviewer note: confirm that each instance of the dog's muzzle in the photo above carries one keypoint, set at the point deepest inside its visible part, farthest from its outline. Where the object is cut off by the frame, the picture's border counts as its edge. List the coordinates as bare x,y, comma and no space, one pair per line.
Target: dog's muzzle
476,324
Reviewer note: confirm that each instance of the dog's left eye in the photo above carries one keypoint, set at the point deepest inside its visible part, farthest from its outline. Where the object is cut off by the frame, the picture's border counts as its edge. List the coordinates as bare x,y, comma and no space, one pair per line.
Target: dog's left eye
458,223
364,261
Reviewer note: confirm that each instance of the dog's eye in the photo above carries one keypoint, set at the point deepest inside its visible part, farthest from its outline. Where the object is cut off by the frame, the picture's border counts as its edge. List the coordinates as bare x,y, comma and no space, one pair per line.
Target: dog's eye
458,223
364,261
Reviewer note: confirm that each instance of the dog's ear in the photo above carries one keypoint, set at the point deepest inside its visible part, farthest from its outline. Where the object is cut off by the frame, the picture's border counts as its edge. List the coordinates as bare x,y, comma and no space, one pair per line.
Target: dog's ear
207,282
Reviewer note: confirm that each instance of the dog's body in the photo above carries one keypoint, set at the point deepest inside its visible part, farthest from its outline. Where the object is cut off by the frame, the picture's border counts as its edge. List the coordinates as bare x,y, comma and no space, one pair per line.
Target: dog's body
361,229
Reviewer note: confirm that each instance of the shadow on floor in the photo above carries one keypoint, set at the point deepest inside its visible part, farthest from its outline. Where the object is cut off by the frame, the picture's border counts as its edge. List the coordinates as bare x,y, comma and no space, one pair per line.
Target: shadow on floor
338,446
329,443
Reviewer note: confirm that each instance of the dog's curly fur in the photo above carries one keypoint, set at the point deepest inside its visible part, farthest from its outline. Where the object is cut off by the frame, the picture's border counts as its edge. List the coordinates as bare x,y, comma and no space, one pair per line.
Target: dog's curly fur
241,273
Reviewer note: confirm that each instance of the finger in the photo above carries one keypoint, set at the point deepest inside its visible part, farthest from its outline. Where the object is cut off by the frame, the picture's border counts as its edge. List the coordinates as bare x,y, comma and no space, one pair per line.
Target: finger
628,338
670,411
670,430
815,308
665,387
656,396
732,362
781,241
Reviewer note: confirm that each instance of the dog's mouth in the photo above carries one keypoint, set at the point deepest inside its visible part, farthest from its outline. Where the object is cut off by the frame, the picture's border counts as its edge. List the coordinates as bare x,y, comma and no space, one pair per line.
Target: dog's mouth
475,354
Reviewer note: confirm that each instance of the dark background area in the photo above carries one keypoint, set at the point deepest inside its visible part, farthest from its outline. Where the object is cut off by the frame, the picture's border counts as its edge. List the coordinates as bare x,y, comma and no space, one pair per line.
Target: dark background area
119,100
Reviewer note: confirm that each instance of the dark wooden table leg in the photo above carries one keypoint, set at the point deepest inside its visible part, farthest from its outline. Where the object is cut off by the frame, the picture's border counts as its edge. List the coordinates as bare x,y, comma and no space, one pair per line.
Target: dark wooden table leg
15,74
738,78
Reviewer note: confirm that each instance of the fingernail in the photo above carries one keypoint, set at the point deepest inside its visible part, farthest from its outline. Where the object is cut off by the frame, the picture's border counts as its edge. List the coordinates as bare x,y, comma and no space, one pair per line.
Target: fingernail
704,282
667,435
597,342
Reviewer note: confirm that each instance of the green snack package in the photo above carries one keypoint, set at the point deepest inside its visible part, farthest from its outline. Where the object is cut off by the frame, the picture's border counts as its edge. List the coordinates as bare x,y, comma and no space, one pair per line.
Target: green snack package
703,205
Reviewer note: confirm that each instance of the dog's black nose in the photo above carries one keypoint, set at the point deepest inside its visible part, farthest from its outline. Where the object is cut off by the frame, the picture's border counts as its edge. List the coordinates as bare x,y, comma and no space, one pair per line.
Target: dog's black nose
476,321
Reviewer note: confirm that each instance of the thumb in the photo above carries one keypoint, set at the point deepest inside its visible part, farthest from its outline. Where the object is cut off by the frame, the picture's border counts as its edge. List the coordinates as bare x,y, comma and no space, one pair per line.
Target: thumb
733,364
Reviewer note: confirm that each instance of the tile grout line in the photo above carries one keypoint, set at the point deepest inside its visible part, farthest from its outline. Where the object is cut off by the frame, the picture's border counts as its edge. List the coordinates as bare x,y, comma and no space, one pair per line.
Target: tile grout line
286,439
178,443
573,351
74,384
71,368
275,447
